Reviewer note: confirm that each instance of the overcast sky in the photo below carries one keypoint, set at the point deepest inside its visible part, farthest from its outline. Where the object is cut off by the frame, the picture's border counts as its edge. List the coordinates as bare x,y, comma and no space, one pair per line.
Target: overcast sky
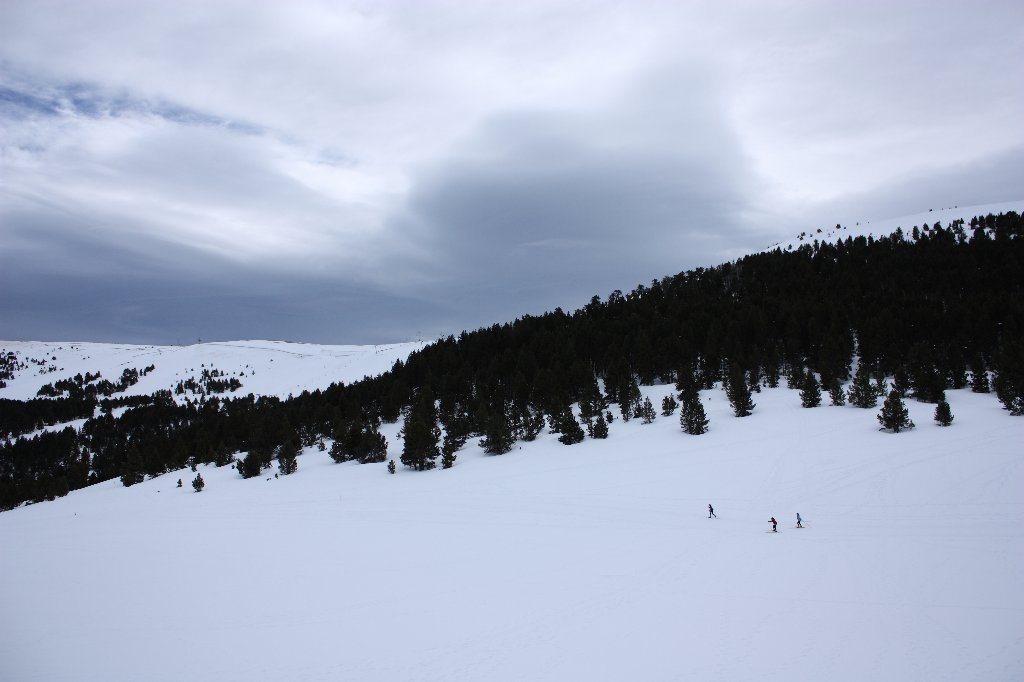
360,172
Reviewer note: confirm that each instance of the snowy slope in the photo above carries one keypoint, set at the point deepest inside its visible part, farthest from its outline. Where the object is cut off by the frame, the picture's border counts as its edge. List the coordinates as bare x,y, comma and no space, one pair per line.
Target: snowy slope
885,227
263,367
590,562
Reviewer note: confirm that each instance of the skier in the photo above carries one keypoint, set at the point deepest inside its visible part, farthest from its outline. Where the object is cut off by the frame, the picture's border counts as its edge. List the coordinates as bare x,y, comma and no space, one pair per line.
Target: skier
799,521
775,525
711,511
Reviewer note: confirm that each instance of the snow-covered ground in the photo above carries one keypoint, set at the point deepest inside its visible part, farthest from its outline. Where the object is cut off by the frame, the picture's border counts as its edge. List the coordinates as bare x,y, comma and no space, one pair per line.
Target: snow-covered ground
885,227
590,562
262,367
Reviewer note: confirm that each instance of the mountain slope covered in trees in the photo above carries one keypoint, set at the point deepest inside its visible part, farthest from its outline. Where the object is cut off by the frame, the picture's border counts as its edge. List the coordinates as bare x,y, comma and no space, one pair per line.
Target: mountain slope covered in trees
939,308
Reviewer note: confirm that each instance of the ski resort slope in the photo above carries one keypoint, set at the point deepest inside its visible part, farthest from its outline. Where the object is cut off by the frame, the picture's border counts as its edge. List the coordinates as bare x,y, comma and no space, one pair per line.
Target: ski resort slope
272,368
588,562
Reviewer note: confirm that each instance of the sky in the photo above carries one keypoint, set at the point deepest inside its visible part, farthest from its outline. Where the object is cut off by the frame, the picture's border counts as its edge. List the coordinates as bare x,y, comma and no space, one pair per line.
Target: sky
372,172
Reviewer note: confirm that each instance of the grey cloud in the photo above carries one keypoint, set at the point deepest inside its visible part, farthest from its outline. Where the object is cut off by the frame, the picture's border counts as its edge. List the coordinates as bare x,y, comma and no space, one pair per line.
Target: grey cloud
990,179
548,207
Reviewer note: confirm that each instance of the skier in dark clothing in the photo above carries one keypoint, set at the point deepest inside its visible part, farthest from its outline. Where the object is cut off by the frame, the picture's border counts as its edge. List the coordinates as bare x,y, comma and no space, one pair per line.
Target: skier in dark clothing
711,511
775,525
799,521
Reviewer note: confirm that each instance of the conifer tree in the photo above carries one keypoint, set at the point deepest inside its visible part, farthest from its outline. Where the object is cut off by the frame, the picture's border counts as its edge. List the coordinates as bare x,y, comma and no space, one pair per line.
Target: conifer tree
373,446
836,393
810,392
198,483
600,430
571,430
498,438
629,399
943,415
862,393
251,466
391,466
1009,376
533,424
738,392
420,447
647,413
979,375
668,405
894,415
692,417
287,456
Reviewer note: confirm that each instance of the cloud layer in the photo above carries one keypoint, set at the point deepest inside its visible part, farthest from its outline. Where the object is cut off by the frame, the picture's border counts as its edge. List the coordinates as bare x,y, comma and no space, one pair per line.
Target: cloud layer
360,172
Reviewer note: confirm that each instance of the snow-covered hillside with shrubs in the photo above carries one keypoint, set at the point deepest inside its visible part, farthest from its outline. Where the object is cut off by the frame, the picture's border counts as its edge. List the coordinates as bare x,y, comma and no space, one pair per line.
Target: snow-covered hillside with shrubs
272,368
596,561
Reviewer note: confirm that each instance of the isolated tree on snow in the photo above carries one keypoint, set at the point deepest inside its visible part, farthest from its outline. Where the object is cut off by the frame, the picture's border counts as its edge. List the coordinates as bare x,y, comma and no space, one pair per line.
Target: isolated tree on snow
198,483
391,466
894,415
810,392
646,412
943,415
692,417
668,405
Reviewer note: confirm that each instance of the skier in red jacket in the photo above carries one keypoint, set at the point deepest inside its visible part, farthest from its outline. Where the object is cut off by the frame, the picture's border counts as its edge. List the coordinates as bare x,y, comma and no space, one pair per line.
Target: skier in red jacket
775,525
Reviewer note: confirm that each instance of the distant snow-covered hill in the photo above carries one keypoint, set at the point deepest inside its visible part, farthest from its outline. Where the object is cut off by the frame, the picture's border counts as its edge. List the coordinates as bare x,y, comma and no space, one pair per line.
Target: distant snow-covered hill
270,368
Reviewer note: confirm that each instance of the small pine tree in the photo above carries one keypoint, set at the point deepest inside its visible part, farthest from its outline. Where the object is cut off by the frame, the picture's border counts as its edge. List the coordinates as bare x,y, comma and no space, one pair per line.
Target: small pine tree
647,413
391,466
337,452
600,429
836,393
533,424
668,405
571,430
629,400
894,415
738,392
692,417
979,376
287,457
198,483
810,393
862,394
251,466
373,447
943,415
498,438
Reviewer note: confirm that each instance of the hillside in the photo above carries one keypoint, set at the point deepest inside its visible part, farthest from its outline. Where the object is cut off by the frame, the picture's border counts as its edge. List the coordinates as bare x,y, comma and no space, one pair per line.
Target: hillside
595,561
273,368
